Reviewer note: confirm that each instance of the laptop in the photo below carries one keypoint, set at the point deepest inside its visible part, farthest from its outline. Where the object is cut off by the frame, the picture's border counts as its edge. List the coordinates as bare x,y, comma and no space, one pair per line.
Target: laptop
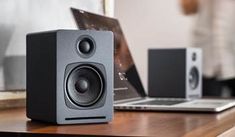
129,93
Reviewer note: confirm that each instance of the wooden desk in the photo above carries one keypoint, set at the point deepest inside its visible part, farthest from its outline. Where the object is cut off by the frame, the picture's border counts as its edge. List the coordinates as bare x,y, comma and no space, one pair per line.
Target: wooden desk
164,124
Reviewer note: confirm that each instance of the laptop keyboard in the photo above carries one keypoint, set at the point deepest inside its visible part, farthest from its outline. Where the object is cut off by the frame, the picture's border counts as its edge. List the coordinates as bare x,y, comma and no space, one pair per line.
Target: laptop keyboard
161,102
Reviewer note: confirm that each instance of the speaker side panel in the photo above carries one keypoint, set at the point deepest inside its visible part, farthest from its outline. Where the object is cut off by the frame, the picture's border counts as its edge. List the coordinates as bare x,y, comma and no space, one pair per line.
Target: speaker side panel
166,73
41,76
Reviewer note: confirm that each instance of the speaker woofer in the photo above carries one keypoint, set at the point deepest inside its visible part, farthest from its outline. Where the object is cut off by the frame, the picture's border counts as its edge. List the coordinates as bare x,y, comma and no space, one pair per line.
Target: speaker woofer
193,78
85,85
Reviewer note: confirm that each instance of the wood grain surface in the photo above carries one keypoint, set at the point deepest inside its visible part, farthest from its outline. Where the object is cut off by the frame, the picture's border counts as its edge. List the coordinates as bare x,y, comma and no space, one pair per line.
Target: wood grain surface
163,124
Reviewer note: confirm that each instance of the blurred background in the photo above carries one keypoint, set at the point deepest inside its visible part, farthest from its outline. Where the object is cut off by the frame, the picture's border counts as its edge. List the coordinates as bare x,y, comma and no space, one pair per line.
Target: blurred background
146,24
205,24
17,18
158,23
152,24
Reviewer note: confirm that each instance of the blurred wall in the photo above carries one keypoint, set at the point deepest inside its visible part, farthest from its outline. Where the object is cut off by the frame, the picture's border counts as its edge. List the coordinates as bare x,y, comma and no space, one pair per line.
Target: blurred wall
152,24
19,17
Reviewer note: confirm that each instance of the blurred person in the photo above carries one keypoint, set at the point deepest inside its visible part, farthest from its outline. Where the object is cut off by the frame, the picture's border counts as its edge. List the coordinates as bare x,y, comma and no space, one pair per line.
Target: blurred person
214,32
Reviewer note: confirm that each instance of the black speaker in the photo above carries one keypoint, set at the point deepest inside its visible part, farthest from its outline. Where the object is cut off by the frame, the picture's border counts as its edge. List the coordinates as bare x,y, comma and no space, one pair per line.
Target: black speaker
175,73
70,76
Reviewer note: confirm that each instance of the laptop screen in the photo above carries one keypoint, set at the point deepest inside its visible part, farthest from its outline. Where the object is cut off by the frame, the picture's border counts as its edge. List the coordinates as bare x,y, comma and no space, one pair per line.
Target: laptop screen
127,83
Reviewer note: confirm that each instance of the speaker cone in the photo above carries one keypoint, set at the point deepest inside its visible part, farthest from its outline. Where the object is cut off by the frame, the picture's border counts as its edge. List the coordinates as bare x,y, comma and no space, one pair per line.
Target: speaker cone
85,85
193,77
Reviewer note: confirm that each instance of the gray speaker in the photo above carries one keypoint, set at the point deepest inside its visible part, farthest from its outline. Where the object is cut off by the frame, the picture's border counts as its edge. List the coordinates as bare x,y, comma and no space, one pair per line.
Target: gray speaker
70,76
175,73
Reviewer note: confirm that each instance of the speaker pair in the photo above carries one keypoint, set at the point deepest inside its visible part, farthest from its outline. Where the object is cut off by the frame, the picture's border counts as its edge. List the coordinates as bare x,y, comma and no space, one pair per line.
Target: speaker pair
70,76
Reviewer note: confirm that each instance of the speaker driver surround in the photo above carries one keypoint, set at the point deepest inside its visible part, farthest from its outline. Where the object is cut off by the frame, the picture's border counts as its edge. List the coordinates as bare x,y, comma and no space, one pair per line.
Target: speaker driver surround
85,85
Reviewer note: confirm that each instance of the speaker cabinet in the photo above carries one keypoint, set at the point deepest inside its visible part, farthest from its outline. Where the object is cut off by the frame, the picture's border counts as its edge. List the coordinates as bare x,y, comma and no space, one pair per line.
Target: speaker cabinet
70,76
175,73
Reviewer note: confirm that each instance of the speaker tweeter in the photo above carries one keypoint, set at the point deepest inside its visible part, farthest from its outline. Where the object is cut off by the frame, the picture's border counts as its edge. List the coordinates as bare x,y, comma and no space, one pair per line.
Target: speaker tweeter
86,46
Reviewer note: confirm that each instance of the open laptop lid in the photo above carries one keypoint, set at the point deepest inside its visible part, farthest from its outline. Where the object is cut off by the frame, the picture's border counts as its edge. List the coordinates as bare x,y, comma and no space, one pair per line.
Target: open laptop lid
127,83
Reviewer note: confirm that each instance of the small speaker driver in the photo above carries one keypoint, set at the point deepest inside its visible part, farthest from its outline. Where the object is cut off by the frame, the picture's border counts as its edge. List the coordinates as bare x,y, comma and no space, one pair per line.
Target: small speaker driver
85,46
